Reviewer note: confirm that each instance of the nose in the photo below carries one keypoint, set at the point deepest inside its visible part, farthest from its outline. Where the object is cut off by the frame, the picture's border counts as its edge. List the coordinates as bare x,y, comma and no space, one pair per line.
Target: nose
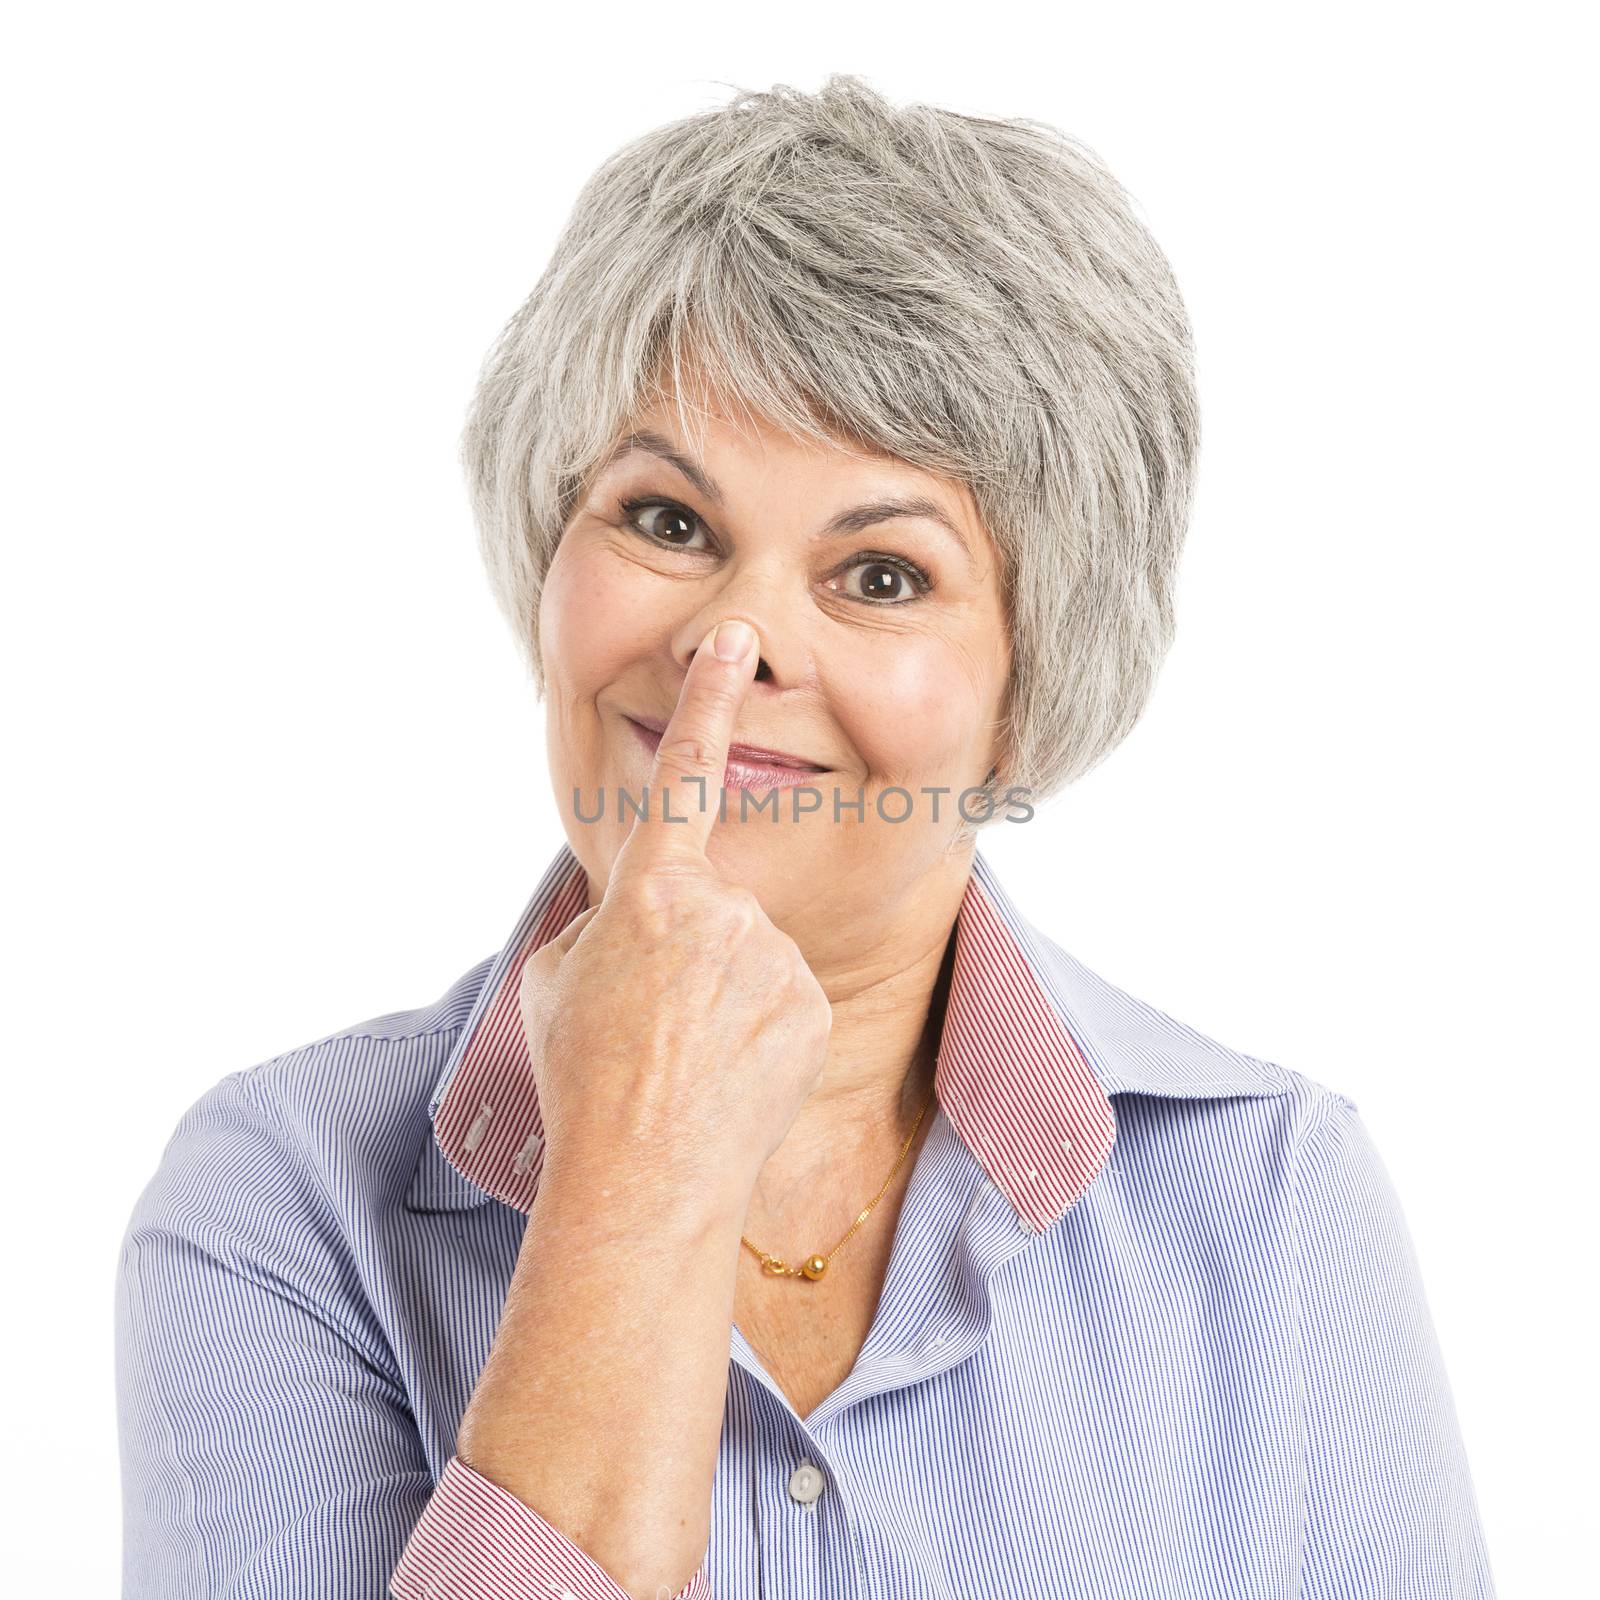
766,604
764,672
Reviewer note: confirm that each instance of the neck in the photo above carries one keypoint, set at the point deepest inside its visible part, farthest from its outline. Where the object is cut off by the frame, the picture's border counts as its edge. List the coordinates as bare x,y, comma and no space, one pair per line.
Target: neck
888,1014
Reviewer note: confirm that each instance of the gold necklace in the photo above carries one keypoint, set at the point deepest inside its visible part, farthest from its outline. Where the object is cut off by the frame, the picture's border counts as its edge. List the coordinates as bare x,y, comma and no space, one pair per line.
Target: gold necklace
813,1267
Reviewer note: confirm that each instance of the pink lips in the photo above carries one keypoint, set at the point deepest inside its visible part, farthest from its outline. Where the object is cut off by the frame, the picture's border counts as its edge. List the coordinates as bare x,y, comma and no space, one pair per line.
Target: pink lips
749,766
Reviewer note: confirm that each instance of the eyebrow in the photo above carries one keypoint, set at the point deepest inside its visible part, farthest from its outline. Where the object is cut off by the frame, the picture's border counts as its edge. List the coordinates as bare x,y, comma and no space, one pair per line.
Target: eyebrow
866,515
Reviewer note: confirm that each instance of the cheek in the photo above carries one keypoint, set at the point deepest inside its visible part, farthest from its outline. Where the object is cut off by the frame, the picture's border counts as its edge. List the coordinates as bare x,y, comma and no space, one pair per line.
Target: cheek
594,616
922,708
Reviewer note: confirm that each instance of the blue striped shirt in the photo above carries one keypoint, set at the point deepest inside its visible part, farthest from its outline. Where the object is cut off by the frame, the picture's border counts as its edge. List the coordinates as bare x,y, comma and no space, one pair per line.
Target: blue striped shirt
1153,1327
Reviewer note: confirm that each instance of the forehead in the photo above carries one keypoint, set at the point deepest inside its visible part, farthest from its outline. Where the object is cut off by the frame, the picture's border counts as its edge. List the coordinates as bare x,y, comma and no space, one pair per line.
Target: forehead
709,423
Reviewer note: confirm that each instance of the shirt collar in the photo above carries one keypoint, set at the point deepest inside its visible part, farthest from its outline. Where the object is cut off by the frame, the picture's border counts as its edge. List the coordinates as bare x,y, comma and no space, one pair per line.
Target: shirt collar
1033,1046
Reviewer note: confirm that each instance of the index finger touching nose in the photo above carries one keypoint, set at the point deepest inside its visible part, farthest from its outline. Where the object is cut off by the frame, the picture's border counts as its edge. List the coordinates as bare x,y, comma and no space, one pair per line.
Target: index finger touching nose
684,793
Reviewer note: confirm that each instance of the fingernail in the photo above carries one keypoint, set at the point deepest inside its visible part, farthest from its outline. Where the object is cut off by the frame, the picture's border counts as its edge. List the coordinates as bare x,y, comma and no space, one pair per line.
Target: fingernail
733,640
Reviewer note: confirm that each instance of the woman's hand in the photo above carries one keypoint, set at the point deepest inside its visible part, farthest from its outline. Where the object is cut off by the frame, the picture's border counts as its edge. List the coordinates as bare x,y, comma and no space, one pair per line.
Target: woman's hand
674,1031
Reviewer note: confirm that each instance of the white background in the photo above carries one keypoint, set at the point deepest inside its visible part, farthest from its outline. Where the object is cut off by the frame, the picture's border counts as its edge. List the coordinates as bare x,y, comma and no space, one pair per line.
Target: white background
278,769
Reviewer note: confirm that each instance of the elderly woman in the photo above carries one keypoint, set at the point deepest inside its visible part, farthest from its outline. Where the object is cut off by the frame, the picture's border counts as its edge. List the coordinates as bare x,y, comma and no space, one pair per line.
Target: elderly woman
778,1213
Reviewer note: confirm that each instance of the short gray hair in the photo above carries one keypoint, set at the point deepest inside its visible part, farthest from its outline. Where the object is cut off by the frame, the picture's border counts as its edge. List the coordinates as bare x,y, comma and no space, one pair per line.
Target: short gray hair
974,296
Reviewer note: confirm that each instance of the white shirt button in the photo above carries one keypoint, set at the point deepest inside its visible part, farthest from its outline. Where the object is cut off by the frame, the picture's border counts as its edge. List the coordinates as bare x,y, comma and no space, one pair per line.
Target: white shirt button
805,1483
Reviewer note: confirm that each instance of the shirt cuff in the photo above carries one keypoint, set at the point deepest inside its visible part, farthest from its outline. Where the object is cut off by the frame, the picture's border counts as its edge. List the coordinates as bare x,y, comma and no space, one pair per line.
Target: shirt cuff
478,1541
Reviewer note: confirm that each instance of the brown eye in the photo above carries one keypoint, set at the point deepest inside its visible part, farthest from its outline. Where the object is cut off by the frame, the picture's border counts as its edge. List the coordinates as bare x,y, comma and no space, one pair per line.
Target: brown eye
880,581
886,580
663,521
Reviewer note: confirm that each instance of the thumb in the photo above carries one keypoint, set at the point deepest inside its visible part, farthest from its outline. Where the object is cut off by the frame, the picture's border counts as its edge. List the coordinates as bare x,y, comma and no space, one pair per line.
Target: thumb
542,963
537,982
569,935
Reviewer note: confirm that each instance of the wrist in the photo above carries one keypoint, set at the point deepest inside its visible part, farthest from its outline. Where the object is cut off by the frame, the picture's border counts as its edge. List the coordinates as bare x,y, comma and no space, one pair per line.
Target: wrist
595,1192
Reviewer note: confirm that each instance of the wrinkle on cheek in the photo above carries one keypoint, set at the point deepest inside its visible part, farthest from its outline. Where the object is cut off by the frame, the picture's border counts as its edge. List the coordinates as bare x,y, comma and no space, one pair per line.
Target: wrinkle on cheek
599,617
595,613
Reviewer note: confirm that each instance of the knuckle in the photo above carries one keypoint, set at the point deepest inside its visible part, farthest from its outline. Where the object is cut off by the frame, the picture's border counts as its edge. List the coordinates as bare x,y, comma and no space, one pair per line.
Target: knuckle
693,746
742,910
688,760
721,922
660,903
690,752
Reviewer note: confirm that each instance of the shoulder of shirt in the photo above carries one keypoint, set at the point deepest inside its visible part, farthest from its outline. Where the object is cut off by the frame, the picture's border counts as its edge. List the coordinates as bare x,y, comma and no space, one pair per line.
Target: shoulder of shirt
355,1102
1136,1048
349,1109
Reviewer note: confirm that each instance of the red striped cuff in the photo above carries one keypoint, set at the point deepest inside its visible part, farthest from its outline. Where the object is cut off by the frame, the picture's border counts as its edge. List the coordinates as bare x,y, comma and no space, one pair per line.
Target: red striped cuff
477,1541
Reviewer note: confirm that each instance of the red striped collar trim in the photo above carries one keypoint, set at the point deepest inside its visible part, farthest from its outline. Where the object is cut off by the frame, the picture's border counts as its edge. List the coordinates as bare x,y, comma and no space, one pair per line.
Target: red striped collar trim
1012,1078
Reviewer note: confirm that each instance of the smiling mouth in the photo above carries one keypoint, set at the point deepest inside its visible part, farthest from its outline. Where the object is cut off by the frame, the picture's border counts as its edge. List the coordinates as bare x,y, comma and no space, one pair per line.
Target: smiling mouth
742,755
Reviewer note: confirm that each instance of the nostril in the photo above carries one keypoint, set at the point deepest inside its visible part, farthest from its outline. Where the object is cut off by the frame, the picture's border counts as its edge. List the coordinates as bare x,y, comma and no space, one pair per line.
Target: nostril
762,669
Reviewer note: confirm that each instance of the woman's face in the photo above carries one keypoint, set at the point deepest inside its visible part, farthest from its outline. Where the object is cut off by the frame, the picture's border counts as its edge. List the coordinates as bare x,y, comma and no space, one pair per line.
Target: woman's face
883,644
